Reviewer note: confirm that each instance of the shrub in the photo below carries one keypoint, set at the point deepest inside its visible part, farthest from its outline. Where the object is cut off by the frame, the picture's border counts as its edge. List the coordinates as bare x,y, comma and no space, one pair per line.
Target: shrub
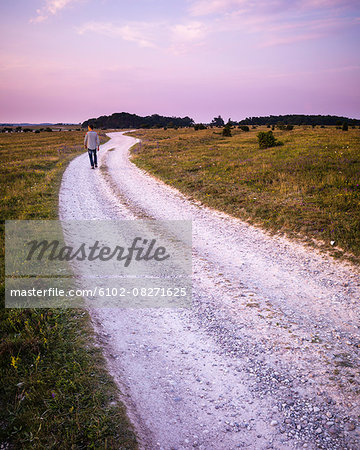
266,139
244,128
199,126
345,127
37,131
289,127
227,130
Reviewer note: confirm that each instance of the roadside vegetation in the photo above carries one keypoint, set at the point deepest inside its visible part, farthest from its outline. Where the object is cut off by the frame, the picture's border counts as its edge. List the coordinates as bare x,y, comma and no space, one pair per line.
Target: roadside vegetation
55,391
308,188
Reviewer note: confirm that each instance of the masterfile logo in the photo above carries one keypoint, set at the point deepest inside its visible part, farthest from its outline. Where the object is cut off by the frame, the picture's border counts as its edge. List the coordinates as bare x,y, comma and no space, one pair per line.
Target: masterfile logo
140,250
113,262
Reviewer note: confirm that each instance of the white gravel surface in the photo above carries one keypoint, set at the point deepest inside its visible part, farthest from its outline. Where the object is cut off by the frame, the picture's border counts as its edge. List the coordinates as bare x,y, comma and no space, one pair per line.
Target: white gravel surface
267,357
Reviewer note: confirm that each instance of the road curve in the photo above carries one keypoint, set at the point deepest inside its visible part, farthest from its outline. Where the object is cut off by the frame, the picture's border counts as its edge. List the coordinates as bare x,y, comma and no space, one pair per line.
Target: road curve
267,357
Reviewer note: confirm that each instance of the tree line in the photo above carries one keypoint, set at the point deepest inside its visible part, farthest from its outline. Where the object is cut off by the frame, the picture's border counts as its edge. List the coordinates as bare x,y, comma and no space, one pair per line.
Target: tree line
300,119
127,120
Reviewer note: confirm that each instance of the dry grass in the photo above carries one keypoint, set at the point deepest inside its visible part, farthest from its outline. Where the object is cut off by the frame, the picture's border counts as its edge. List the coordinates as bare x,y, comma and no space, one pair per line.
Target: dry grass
55,391
309,187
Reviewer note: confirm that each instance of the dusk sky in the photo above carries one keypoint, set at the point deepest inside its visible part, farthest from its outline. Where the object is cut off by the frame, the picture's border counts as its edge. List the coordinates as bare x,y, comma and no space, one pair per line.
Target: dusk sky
70,60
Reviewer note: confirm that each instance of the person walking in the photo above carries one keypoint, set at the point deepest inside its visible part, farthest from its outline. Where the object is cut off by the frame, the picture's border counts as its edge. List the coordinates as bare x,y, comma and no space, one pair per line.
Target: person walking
92,143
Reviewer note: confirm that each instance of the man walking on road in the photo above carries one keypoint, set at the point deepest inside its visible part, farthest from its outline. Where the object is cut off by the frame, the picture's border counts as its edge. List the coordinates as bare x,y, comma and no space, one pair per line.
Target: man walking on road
92,143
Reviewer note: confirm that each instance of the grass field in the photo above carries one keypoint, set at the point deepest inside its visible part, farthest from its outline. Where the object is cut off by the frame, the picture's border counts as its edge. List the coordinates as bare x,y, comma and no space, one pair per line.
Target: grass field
308,188
55,391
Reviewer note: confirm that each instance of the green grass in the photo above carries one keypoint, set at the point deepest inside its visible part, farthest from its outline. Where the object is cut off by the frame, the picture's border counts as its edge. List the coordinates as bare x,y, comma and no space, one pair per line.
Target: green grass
308,188
55,391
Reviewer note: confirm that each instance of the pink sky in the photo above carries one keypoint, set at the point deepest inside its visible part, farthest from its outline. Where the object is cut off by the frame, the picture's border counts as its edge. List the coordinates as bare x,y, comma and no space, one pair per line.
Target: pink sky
69,60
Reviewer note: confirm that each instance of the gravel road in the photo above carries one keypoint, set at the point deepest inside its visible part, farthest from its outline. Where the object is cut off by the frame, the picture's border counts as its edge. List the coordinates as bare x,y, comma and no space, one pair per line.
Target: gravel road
267,357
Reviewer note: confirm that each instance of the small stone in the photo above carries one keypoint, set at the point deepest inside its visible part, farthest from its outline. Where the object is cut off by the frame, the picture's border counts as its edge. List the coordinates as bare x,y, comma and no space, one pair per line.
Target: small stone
350,426
273,423
318,430
288,420
316,409
333,430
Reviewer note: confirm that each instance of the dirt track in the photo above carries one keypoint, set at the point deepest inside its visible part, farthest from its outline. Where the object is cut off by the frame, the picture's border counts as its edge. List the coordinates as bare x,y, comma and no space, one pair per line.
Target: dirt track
267,357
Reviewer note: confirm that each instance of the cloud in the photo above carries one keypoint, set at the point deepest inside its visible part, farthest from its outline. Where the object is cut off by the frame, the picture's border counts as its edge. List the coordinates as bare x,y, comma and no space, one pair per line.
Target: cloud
138,32
206,7
280,33
188,32
180,37
316,4
289,39
277,22
187,37
51,7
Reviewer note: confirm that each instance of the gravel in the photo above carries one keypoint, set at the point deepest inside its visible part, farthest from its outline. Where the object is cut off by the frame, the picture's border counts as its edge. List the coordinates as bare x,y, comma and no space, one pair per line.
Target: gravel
268,355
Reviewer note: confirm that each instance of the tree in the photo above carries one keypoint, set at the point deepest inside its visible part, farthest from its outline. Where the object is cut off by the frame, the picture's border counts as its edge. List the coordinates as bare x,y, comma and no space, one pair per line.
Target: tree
217,122
244,128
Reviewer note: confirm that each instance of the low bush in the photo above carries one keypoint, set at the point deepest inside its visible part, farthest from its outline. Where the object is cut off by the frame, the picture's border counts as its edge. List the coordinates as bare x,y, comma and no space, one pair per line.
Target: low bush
244,128
199,126
266,139
227,130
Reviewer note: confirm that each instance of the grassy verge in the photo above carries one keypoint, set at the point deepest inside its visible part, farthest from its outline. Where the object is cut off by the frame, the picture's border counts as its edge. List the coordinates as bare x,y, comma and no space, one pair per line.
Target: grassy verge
55,392
308,188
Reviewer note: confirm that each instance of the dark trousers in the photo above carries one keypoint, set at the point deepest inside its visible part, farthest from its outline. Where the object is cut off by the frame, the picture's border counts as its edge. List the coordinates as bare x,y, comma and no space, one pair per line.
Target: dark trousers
93,157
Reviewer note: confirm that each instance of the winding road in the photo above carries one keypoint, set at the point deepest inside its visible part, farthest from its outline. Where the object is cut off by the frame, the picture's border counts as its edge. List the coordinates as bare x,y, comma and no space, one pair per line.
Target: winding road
268,355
